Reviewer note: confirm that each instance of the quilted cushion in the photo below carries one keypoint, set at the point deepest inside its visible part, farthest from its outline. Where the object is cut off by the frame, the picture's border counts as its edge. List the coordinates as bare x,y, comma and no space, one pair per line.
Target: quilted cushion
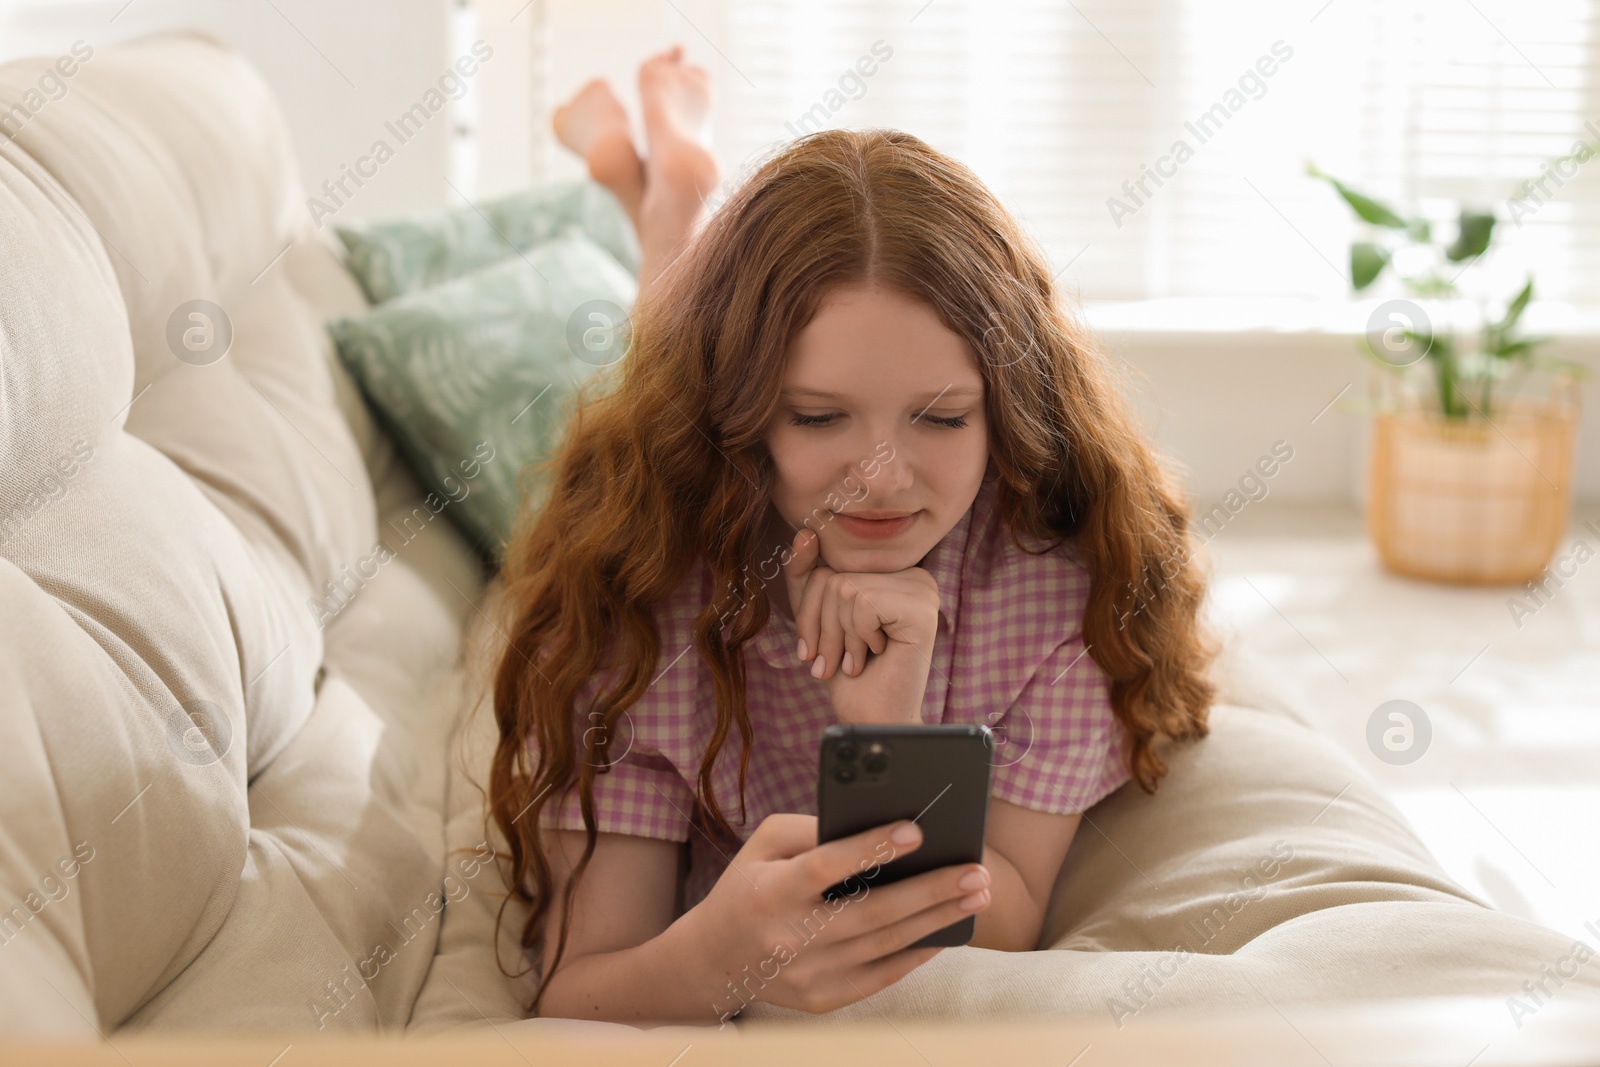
219,795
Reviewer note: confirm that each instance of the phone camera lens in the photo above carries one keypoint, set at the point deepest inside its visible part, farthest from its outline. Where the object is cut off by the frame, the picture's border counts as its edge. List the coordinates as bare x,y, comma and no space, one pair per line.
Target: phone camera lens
846,750
844,773
875,763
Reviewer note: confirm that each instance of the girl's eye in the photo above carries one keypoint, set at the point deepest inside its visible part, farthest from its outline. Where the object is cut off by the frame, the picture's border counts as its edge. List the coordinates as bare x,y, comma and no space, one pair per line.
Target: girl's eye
952,421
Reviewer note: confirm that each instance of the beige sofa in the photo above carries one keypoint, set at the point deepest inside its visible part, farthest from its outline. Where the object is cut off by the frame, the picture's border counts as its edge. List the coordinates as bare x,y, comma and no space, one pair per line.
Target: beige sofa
221,814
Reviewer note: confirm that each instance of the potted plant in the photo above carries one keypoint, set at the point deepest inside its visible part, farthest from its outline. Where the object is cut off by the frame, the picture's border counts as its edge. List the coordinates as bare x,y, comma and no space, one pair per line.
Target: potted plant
1469,481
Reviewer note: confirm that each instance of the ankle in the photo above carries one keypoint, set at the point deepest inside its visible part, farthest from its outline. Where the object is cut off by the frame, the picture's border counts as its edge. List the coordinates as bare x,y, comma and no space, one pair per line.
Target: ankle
681,171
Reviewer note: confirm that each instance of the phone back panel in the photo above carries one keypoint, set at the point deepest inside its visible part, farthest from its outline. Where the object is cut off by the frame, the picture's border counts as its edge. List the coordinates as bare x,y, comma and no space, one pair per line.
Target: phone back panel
938,774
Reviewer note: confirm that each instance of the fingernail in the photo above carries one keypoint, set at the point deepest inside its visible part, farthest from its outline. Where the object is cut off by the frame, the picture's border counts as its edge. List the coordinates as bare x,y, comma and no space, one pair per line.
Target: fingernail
973,901
846,664
800,650
818,665
973,880
906,834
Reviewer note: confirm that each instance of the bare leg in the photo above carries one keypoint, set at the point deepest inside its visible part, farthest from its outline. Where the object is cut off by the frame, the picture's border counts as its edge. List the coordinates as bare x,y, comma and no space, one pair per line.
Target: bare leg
680,171
665,194
594,125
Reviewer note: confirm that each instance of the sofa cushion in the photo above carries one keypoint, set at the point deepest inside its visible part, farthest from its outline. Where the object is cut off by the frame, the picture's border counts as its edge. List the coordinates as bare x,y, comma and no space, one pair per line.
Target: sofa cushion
245,785
1267,865
392,257
1267,869
474,378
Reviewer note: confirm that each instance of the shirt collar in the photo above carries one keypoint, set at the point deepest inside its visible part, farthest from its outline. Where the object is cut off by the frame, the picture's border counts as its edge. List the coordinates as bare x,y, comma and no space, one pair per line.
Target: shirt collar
944,561
776,641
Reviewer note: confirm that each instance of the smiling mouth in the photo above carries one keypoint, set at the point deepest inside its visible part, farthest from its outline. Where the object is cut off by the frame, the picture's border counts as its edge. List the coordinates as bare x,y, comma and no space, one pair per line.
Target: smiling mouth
876,528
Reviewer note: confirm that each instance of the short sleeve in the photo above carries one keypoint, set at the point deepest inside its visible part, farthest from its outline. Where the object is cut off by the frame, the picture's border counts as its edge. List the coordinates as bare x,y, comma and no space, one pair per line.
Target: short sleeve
1058,747
643,791
641,794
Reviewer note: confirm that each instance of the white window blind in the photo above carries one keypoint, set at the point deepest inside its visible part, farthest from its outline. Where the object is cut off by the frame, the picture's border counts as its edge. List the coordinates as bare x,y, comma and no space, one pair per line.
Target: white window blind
1468,102
1057,105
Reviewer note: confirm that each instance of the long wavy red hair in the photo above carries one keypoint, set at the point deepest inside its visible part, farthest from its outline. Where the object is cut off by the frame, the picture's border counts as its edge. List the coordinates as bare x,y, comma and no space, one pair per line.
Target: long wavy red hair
664,464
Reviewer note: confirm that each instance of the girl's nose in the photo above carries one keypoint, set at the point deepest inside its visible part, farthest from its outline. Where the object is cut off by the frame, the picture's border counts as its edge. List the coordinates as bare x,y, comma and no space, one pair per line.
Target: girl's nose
890,468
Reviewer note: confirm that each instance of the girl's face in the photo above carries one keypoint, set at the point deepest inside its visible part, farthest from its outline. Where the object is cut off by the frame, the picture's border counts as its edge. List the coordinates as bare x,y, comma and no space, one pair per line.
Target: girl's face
882,414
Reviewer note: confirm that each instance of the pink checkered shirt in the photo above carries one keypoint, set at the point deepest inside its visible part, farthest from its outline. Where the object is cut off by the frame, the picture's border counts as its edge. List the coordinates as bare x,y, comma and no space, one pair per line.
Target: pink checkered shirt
1008,653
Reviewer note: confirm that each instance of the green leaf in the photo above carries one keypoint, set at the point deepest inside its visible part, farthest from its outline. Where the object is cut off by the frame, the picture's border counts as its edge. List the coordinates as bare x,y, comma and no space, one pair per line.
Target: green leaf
1472,238
1433,285
1509,350
1518,347
1367,261
1419,231
1371,210
1519,303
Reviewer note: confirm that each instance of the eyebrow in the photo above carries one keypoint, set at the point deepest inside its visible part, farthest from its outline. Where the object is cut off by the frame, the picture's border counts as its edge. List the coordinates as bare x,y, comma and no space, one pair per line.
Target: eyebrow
961,392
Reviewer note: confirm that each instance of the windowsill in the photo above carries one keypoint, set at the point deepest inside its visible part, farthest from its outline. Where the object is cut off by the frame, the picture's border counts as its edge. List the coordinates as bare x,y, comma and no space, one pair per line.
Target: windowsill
1230,315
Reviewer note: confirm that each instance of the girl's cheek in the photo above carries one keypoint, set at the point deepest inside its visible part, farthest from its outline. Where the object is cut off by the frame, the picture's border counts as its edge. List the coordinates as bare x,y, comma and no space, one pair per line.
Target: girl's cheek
966,447
793,493
801,468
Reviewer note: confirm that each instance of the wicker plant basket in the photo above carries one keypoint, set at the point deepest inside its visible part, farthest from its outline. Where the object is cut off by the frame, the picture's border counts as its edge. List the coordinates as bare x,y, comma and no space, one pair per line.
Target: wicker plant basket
1471,501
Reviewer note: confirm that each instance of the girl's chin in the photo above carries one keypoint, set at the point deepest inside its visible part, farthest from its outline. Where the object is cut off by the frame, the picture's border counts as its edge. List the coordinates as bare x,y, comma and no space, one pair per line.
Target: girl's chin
871,559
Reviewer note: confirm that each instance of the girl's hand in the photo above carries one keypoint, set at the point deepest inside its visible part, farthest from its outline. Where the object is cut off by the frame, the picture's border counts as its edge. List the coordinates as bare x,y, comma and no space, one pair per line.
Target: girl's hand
766,919
839,614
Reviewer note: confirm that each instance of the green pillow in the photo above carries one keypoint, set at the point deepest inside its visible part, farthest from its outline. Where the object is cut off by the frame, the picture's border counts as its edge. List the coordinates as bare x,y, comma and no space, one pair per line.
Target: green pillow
471,378
400,256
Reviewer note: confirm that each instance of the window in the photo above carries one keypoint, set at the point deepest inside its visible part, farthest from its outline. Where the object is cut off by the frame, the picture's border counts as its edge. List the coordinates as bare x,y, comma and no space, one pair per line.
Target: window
1157,148
1071,110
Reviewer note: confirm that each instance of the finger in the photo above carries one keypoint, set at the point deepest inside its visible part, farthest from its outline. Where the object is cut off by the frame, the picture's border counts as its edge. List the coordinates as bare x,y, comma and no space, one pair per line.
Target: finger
878,907
782,836
830,638
855,656
898,622
856,618
898,936
803,556
858,854
808,610
866,624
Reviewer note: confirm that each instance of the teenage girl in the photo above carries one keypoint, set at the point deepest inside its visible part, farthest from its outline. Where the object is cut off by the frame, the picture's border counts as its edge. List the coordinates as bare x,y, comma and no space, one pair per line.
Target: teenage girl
859,466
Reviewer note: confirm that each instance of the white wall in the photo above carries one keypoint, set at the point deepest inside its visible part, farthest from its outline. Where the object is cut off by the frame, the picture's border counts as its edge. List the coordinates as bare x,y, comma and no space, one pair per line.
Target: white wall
1217,399
340,69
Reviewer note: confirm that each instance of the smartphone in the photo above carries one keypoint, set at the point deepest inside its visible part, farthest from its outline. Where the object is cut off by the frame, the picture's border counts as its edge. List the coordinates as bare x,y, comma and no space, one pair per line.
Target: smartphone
937,774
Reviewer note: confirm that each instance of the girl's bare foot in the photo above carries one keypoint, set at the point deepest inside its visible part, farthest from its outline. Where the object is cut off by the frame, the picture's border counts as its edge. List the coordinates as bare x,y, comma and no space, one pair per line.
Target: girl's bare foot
594,125
676,98
680,171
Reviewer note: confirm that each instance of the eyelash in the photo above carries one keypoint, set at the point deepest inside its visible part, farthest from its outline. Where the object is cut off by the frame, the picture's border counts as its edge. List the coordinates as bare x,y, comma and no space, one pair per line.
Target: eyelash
954,423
